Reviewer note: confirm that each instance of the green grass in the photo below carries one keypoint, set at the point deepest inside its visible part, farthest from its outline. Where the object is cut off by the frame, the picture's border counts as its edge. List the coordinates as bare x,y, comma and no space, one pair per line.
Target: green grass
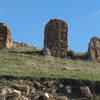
25,63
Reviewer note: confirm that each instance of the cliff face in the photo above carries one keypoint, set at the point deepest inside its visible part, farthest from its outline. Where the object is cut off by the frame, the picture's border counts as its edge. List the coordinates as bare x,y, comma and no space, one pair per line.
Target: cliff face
5,36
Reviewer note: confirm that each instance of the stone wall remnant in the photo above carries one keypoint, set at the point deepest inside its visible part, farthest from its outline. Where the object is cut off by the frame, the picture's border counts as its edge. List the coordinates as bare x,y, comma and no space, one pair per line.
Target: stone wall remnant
56,38
5,36
94,49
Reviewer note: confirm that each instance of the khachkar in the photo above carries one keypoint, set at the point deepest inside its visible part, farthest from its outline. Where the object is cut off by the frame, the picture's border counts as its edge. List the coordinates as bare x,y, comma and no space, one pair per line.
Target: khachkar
94,49
5,36
56,38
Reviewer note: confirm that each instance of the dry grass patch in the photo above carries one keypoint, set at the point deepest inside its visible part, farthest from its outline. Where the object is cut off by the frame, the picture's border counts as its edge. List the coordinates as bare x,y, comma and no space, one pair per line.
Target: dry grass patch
18,62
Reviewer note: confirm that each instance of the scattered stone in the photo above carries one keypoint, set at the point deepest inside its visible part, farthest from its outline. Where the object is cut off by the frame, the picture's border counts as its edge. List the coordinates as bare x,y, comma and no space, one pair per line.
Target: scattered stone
38,85
33,90
16,94
45,96
2,97
22,88
56,38
23,98
19,44
85,91
22,45
63,98
94,49
63,90
10,94
47,52
5,91
68,89
5,36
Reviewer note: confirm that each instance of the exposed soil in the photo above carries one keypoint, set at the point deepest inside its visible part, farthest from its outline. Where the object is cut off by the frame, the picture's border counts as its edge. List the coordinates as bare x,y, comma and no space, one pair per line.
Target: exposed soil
57,89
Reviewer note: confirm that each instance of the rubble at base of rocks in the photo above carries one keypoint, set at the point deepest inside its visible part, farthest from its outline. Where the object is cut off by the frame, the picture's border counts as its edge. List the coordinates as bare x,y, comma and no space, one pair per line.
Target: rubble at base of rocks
22,45
49,89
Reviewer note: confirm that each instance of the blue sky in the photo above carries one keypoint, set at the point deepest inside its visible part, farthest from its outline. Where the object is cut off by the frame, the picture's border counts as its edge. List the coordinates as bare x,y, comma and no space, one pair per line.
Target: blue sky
27,19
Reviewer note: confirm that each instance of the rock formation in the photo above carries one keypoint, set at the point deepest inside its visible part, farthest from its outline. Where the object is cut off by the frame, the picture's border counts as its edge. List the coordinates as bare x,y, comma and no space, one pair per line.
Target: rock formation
20,45
5,36
94,49
56,38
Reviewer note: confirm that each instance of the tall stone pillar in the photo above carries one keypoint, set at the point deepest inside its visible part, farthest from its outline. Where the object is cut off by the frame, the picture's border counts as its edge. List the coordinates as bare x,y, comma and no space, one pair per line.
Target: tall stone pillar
5,36
94,49
56,38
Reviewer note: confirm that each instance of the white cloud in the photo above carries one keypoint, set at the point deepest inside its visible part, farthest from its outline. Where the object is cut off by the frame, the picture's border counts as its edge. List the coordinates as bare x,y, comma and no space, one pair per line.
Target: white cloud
97,12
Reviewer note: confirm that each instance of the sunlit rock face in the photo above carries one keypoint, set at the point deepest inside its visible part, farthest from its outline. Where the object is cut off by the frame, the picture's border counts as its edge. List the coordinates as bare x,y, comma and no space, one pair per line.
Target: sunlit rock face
56,38
94,49
5,36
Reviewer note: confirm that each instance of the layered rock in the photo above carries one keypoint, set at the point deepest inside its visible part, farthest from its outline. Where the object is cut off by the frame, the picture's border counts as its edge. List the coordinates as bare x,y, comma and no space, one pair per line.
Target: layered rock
5,36
94,49
56,38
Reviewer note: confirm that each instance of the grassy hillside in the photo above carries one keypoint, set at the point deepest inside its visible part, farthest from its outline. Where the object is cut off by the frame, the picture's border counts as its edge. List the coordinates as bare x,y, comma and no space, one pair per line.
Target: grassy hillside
23,63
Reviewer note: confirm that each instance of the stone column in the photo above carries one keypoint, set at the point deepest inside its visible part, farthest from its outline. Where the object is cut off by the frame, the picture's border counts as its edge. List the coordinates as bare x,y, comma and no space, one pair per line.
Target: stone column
94,49
56,38
5,36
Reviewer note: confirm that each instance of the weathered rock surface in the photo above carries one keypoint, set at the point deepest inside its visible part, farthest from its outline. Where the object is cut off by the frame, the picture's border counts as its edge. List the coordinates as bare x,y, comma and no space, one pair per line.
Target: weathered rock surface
94,49
5,36
56,38
22,45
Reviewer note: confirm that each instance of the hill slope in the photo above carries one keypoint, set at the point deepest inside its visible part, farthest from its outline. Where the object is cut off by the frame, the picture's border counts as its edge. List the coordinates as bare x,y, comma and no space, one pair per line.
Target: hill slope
28,63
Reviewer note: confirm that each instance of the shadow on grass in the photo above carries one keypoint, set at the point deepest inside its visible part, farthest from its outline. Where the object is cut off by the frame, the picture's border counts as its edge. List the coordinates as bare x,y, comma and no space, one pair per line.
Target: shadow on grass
77,56
71,54
28,52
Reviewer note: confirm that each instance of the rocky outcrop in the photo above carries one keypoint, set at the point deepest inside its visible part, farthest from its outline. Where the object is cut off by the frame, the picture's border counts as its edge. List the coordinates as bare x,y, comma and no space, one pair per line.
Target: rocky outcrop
56,38
22,45
94,49
5,36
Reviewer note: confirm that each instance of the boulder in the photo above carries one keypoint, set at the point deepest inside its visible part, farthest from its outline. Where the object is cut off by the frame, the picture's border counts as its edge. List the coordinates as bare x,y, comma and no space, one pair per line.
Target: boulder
10,94
85,91
5,36
23,88
47,52
56,38
16,94
63,98
46,96
4,91
2,97
23,98
94,49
